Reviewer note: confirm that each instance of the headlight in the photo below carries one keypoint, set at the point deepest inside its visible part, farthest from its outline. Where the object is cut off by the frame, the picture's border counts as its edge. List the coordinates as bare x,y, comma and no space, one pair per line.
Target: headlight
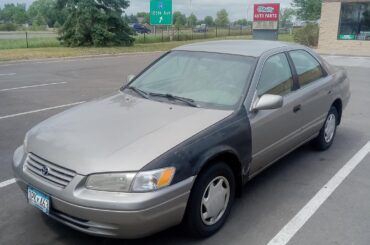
153,180
131,182
119,182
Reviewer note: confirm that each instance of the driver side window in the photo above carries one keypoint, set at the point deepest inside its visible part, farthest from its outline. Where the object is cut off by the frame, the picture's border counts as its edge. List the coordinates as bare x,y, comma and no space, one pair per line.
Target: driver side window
276,77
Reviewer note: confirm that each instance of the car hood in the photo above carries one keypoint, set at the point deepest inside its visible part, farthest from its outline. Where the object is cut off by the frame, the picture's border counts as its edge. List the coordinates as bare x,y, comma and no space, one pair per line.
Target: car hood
116,133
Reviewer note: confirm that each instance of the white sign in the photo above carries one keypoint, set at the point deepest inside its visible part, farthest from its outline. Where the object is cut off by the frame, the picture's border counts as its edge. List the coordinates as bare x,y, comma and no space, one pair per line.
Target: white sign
265,25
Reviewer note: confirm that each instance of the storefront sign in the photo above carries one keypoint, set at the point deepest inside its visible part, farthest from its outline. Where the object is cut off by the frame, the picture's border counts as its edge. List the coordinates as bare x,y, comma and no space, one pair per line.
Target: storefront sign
266,12
347,37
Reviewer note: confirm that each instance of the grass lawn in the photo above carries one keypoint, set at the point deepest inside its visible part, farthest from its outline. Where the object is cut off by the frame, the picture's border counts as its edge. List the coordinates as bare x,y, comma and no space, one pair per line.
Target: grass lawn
41,48
37,42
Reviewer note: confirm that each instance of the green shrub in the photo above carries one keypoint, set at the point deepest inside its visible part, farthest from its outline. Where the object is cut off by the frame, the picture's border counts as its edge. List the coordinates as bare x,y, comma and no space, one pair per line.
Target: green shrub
308,35
8,27
38,28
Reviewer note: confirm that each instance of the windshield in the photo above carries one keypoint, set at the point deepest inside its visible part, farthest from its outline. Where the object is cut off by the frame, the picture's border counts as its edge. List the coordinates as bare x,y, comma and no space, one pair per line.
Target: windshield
208,79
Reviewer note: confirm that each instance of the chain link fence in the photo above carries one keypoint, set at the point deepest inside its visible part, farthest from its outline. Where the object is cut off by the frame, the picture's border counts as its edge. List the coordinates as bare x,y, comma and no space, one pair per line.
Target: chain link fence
167,34
38,39
27,39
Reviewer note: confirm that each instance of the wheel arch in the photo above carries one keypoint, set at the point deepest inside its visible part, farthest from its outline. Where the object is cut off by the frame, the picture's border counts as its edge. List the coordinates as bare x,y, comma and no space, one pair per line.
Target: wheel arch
339,106
228,156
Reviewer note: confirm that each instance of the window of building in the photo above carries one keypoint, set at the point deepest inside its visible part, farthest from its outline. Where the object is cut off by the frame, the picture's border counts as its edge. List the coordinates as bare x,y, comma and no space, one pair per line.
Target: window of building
354,21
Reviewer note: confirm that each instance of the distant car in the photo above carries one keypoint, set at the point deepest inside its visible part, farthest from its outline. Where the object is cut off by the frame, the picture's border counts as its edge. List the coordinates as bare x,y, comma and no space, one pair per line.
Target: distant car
139,28
179,140
201,28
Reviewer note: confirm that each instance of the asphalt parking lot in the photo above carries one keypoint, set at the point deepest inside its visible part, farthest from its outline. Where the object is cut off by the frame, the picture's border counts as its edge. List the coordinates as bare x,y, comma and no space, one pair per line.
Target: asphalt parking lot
33,91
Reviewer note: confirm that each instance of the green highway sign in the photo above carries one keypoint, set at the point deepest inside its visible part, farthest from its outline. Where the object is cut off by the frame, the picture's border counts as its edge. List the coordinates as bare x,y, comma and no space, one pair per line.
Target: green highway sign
161,12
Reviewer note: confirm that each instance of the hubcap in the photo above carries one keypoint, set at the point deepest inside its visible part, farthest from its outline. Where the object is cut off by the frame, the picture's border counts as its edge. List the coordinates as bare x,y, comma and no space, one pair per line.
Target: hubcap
329,128
215,200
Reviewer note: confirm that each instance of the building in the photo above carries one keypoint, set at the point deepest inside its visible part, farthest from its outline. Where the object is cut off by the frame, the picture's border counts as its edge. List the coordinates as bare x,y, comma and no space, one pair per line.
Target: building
345,27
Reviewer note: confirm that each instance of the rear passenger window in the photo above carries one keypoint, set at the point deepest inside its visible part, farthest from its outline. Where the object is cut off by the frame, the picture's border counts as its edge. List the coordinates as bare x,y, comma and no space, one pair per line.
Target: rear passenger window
307,67
276,77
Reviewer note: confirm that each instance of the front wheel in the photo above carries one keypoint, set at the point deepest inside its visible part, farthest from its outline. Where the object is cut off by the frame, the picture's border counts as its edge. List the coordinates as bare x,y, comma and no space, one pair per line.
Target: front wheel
327,133
210,201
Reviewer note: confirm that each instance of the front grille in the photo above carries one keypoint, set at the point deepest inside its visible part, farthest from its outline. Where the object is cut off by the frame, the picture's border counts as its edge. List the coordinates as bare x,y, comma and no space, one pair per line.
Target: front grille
54,174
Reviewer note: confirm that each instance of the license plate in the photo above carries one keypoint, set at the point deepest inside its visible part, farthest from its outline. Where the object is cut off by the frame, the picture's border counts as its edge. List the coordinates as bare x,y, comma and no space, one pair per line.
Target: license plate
38,199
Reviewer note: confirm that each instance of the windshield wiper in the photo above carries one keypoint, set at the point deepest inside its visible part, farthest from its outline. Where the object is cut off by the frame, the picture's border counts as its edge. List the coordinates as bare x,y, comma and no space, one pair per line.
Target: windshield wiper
139,91
188,101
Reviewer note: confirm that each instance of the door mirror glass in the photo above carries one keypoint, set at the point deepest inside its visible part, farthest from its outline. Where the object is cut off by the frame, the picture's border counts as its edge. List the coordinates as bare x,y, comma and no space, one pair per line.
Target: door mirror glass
269,102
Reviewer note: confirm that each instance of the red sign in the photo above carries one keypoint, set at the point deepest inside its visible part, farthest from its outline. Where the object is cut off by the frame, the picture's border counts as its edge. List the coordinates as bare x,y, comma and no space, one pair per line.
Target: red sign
266,12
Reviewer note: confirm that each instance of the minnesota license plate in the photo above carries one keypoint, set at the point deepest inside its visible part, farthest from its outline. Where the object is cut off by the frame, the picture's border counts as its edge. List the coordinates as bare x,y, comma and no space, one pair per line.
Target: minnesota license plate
38,199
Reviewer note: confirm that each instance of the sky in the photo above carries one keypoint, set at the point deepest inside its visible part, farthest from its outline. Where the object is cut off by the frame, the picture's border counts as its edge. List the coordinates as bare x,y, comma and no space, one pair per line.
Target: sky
237,9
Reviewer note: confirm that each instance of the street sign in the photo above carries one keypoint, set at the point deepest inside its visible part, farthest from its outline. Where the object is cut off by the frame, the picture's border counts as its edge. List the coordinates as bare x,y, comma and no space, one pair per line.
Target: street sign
161,12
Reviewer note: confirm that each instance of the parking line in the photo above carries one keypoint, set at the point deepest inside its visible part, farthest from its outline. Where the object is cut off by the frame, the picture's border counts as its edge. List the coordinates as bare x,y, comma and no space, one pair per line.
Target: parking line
296,223
40,110
8,74
31,86
7,182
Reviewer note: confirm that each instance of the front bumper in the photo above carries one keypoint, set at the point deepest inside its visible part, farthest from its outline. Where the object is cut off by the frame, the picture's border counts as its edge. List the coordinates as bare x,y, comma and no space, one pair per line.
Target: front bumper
110,214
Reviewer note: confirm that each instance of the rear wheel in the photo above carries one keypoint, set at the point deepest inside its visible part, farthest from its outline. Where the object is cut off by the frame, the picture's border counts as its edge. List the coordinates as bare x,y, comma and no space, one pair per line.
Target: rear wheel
327,133
210,201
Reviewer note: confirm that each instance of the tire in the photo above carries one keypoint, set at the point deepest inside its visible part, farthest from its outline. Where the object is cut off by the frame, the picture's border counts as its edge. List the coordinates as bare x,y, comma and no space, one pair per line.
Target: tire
218,175
325,139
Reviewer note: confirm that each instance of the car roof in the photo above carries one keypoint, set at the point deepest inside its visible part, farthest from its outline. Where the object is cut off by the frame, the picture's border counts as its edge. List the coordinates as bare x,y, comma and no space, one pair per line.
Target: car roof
254,48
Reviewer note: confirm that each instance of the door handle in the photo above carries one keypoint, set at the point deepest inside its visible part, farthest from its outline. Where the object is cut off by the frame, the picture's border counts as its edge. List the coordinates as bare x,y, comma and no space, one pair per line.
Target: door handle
297,108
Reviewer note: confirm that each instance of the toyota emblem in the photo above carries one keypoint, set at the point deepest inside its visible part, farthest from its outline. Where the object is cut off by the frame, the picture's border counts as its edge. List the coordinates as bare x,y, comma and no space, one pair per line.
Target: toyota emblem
45,170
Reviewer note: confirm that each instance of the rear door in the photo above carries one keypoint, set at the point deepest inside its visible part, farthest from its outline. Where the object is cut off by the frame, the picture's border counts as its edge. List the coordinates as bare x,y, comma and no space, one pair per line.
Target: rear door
275,132
314,90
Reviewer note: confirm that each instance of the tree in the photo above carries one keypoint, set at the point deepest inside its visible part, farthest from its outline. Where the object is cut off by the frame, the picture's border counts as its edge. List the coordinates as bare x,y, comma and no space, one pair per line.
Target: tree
308,10
15,14
143,17
131,18
57,25
208,20
242,22
286,16
192,20
179,19
39,20
222,18
95,22
44,11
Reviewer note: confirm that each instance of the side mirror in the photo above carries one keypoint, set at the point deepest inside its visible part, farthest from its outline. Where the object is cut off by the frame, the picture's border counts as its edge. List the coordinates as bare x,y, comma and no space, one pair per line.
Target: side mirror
269,102
129,79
